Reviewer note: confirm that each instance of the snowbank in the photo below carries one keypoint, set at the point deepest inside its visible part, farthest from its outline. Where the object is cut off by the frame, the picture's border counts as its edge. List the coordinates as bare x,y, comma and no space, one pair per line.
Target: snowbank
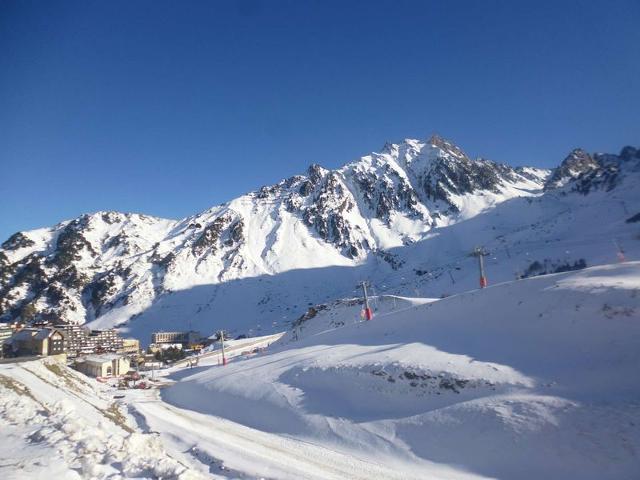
56,423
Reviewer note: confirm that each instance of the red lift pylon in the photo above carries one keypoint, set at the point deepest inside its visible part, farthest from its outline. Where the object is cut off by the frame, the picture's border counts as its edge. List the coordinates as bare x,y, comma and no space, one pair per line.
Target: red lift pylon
368,313
480,253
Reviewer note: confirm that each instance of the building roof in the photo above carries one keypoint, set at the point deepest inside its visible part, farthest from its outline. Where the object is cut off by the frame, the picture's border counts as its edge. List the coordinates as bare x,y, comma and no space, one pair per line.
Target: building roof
46,333
101,358
173,332
24,334
69,326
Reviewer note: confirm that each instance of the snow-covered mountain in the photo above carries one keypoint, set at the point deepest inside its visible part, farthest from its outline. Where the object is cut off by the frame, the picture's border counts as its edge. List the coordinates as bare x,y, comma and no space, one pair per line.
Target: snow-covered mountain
404,218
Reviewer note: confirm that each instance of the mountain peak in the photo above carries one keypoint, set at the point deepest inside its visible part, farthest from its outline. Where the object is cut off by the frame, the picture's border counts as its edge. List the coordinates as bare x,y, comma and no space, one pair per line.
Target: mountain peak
575,164
108,266
389,147
577,155
315,172
436,140
629,152
447,146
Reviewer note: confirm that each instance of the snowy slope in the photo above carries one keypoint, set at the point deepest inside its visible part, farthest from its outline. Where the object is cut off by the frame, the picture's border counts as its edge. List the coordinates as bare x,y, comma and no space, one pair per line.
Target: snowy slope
57,423
404,218
527,379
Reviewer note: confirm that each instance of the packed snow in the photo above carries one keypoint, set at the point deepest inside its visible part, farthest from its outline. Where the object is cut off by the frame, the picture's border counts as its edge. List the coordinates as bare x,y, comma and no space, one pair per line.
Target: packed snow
57,423
527,379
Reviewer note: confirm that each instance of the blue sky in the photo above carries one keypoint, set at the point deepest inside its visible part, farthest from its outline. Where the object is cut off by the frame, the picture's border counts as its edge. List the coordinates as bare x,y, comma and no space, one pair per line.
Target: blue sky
168,108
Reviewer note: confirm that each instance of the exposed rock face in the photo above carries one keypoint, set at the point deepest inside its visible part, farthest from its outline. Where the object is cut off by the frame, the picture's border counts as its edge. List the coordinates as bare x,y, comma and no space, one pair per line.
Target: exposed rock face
75,270
582,173
16,241
463,176
388,192
210,237
577,163
86,268
102,289
72,244
329,211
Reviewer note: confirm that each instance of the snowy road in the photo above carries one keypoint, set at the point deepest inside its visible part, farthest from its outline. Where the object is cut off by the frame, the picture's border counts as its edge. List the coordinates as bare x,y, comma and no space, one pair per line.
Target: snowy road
263,455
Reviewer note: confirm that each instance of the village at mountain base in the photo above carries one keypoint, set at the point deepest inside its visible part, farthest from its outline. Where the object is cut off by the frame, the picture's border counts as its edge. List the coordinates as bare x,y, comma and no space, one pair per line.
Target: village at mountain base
96,353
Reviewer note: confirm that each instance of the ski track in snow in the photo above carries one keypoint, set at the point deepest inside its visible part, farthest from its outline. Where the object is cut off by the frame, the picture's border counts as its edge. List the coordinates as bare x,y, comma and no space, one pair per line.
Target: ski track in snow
267,455
533,375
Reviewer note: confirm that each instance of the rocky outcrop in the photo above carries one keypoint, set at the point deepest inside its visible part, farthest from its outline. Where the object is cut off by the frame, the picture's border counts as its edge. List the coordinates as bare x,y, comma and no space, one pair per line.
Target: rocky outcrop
577,163
16,241
327,214
584,173
210,236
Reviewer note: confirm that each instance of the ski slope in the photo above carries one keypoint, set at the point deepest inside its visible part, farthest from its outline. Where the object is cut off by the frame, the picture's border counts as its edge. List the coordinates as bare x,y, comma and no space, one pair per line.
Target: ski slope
252,453
526,379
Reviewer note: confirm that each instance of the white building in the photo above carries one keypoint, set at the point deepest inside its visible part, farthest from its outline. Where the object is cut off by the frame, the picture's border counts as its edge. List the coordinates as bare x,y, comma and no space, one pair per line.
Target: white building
176,337
105,365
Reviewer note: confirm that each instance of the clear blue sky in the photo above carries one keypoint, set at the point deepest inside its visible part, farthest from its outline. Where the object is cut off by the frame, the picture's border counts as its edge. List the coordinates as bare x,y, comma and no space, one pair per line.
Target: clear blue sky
168,108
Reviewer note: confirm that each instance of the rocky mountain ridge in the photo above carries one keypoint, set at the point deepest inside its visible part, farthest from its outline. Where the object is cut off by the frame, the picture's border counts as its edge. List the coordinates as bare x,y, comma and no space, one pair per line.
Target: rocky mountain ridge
109,267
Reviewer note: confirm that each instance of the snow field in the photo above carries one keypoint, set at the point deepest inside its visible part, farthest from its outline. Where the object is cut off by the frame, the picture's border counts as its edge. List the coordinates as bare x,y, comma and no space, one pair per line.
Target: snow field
526,379
60,423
